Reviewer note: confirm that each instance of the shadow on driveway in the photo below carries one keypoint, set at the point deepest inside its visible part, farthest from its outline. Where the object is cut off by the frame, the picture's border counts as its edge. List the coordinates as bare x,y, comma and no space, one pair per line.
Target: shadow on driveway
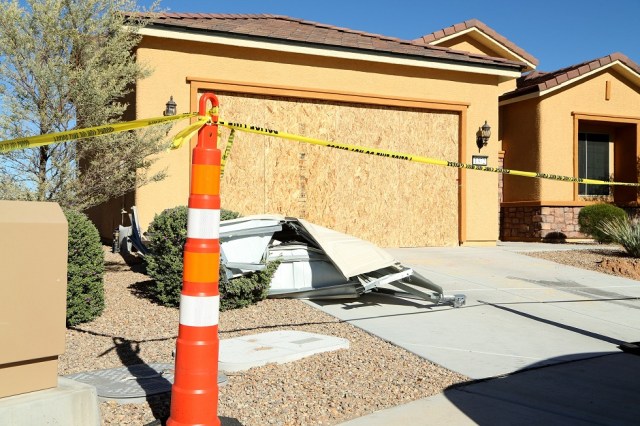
603,389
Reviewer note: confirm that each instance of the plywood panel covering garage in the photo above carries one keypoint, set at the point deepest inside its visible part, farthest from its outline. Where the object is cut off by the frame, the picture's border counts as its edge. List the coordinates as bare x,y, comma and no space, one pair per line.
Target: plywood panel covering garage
390,202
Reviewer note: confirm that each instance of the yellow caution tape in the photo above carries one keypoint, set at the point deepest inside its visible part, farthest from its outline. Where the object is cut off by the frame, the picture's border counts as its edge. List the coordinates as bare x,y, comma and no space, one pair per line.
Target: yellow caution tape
414,158
188,133
41,140
227,151
191,130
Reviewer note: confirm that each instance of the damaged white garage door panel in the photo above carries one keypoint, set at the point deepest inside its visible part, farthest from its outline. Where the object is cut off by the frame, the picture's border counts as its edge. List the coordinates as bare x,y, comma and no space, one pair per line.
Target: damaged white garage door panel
351,255
317,262
246,241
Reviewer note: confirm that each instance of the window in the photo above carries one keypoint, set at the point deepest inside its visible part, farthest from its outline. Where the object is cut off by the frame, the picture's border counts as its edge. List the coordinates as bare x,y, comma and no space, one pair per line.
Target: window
593,162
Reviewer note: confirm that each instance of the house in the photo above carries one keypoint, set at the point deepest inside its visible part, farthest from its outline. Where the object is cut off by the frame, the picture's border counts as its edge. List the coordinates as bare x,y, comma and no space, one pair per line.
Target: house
427,97
584,121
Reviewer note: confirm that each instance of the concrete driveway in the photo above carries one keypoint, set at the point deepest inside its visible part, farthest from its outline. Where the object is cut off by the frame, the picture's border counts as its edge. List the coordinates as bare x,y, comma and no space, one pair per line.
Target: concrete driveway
522,313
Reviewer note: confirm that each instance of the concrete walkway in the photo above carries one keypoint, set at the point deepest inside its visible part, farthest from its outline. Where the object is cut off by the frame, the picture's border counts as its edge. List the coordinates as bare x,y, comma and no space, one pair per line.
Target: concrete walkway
596,391
522,314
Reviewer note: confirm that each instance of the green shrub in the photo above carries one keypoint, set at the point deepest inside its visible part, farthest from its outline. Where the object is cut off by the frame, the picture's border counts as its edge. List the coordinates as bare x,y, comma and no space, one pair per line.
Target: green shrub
228,214
164,264
85,270
591,216
164,261
624,232
244,291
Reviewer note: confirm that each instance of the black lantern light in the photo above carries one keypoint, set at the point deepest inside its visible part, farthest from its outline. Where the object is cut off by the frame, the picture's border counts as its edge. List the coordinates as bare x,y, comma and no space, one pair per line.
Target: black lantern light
171,107
483,135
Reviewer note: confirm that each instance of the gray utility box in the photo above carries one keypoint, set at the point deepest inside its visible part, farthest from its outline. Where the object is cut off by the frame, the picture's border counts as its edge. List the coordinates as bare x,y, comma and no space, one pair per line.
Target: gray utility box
33,295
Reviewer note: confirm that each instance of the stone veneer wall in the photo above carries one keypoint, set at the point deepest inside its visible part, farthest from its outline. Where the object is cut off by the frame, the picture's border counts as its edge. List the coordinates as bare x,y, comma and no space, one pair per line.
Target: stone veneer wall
539,223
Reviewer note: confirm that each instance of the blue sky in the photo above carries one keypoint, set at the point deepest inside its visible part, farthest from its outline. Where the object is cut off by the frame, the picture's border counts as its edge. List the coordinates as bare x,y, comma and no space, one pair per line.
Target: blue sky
558,33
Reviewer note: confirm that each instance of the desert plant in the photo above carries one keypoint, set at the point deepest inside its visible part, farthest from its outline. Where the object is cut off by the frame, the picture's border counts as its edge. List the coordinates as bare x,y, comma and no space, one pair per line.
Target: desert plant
164,264
67,65
246,290
228,214
624,232
85,270
591,216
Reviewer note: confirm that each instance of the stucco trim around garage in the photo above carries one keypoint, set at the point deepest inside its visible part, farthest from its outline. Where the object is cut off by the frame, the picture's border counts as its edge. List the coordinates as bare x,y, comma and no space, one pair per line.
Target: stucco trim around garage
340,96
198,84
332,52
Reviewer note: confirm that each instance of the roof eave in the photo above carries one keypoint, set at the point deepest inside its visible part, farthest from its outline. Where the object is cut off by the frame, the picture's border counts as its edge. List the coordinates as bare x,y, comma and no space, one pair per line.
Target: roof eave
505,69
492,42
539,90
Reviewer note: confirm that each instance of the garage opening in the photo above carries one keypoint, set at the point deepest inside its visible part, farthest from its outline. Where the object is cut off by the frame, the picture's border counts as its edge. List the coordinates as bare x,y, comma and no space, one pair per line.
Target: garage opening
389,202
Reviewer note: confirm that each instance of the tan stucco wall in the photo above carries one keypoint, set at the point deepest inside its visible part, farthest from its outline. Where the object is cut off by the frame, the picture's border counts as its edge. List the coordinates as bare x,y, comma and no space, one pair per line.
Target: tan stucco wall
556,135
519,125
174,60
548,122
466,43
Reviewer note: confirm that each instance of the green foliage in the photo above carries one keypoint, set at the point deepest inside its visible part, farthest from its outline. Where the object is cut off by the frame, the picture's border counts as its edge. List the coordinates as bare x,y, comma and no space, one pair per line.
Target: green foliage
67,64
591,216
85,270
164,264
624,232
228,214
244,291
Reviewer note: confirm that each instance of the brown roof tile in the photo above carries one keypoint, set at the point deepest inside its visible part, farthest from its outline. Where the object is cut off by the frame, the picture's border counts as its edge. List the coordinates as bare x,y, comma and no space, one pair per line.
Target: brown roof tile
540,81
584,69
297,30
439,34
481,26
573,74
428,38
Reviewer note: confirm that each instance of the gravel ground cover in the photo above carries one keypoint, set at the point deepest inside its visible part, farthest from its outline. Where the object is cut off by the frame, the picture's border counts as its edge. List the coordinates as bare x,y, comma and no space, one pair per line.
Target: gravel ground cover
324,389
606,259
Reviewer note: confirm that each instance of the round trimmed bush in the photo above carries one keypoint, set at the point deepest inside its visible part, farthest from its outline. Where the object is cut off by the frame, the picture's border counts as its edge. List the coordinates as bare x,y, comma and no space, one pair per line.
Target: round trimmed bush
228,214
85,270
247,290
165,265
164,261
591,217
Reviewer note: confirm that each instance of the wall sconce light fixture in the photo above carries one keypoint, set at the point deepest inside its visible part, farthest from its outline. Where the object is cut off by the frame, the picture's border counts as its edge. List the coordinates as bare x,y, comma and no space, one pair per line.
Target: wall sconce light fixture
171,107
483,135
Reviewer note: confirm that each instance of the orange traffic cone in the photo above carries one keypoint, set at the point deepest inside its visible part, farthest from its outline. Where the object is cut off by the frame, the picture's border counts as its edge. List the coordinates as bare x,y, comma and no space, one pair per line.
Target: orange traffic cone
194,397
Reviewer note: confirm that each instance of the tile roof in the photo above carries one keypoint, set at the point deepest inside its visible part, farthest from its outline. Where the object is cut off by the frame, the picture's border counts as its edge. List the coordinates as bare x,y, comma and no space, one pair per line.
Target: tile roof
540,81
283,28
481,26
